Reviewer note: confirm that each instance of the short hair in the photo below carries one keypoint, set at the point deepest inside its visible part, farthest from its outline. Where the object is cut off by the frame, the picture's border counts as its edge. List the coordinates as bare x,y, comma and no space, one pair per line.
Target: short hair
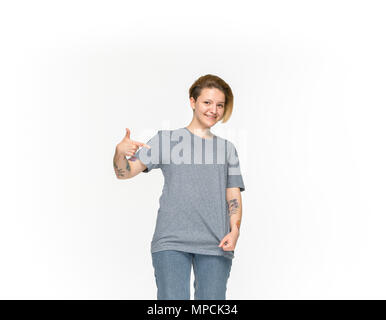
212,81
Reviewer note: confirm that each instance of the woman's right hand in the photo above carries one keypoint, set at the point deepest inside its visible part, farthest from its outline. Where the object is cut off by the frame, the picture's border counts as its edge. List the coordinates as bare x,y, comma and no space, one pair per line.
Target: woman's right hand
129,147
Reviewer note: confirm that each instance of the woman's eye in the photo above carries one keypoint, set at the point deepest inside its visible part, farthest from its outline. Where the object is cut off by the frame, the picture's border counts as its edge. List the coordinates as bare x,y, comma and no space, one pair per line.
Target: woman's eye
219,105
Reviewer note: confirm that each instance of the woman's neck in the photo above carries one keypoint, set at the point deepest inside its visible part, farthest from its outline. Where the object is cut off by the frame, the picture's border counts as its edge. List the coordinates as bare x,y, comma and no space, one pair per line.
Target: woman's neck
199,130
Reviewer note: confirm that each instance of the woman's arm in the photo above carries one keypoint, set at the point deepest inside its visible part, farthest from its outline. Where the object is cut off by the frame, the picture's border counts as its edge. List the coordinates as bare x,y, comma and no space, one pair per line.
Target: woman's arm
233,197
125,169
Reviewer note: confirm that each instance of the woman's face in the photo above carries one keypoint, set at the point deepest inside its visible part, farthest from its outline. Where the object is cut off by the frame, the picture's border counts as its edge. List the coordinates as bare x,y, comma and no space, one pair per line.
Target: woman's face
209,107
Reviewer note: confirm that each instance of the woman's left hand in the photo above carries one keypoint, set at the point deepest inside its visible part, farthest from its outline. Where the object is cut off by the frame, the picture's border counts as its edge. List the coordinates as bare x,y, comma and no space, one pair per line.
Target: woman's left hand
228,243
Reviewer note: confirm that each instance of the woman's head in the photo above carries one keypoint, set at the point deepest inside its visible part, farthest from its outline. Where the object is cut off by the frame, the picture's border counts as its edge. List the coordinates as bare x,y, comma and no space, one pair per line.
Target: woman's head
211,96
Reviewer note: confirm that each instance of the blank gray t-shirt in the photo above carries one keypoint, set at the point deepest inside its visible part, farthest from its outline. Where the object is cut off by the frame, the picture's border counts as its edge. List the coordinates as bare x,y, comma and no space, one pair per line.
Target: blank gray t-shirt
193,214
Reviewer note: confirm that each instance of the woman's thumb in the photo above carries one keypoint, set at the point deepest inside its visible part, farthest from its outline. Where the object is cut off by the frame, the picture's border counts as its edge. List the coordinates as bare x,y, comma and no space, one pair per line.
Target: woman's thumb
127,133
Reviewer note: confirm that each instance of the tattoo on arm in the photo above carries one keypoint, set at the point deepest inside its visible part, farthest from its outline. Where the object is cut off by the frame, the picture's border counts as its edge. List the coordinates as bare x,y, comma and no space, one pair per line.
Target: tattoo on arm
121,172
233,205
233,209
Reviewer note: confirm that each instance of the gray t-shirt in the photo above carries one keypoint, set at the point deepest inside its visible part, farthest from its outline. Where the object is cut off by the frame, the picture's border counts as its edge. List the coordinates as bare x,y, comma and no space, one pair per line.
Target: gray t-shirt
193,214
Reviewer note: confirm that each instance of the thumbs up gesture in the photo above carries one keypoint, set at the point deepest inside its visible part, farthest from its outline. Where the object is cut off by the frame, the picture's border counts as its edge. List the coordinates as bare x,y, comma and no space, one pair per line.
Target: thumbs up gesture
129,147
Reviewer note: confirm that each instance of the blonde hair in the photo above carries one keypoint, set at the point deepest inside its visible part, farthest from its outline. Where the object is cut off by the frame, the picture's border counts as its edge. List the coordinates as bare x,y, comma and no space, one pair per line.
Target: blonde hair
212,81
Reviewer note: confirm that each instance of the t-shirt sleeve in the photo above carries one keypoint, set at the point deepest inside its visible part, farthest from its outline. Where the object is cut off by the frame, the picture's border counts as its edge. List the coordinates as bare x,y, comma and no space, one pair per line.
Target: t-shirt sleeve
234,177
151,158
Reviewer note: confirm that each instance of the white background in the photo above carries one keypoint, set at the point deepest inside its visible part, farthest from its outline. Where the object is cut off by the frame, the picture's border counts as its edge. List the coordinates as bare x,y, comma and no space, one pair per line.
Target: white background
308,123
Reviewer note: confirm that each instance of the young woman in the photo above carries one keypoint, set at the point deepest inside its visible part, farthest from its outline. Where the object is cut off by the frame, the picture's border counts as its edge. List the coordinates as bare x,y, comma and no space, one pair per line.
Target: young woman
198,221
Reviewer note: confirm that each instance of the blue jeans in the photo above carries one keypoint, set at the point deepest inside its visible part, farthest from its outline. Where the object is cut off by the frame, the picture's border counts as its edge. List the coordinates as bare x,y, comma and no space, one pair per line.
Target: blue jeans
172,270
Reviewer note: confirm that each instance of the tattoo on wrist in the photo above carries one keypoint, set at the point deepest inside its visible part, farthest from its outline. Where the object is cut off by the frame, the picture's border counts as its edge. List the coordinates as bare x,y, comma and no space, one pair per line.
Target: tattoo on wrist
237,224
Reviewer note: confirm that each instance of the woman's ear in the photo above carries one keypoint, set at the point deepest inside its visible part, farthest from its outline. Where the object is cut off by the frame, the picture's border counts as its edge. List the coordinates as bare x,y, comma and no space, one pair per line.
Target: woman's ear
192,103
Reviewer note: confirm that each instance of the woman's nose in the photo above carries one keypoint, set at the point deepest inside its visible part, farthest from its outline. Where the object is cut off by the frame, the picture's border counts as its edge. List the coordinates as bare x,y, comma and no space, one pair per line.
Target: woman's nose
213,108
